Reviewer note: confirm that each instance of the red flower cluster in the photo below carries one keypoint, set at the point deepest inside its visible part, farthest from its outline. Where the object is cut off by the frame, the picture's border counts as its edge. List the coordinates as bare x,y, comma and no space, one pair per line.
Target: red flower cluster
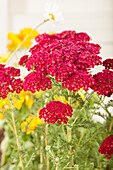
68,56
56,111
107,147
36,82
104,83
8,82
108,63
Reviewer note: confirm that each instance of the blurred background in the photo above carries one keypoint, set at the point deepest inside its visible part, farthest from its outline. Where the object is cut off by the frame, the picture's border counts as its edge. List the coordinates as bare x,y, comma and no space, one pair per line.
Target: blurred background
95,17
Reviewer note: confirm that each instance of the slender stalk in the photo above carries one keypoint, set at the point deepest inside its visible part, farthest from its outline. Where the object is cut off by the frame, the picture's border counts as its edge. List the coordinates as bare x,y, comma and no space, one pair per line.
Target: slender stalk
17,139
46,142
94,112
79,113
102,157
105,110
69,132
64,133
41,153
70,152
19,46
80,140
111,124
57,167
0,156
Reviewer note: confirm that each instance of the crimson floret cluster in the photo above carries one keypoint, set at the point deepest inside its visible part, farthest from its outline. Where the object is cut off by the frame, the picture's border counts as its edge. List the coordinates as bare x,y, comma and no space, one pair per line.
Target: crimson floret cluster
107,147
56,111
9,81
104,83
67,56
108,63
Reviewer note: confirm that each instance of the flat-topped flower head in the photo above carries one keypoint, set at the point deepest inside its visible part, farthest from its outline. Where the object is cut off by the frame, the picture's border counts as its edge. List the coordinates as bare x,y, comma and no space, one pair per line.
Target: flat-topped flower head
9,81
108,63
68,56
103,83
56,111
106,147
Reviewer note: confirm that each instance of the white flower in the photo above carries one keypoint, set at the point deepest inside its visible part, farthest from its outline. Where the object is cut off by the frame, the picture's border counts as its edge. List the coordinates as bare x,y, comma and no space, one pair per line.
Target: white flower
52,12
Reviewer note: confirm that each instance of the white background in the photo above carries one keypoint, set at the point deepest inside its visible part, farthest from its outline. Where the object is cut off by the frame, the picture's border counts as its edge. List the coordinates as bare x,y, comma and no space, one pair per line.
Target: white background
94,17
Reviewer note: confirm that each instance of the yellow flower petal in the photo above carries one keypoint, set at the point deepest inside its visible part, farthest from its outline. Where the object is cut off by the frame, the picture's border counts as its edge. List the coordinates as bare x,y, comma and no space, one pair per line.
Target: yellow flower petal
1,116
61,98
4,57
18,104
23,125
30,124
28,101
16,39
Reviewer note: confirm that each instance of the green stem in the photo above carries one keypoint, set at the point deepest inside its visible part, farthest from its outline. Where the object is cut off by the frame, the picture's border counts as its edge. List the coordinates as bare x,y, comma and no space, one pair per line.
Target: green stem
79,113
80,140
64,133
17,139
46,143
102,157
106,110
111,124
97,107
57,167
19,46
41,153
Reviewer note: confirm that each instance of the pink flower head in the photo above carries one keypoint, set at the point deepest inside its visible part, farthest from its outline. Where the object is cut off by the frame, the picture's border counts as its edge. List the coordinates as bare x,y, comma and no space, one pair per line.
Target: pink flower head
56,111
36,82
17,85
9,81
63,56
106,147
103,83
108,63
23,60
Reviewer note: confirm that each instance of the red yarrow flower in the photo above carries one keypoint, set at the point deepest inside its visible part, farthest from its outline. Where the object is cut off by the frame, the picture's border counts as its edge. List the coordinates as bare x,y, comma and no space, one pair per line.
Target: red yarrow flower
23,60
9,81
56,111
36,82
106,147
103,83
63,56
108,63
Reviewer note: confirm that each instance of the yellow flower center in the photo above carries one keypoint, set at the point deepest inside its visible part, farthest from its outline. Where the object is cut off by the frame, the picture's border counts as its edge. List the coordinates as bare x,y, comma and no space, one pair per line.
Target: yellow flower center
52,16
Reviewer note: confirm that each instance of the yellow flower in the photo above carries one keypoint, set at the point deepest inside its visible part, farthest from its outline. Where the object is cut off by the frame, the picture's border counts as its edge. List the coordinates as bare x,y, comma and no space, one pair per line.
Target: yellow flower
28,101
81,94
61,98
4,57
82,97
23,97
18,104
23,125
16,39
30,124
5,104
1,116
